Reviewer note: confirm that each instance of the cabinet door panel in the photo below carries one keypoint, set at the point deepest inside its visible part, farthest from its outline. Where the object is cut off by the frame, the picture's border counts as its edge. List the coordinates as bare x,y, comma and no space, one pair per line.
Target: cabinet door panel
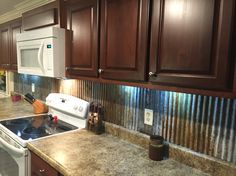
82,37
15,29
190,42
121,55
40,168
46,17
83,23
124,27
4,47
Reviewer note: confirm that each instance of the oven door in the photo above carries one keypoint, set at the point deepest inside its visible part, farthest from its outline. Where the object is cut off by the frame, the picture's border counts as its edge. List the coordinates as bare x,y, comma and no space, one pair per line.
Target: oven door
13,160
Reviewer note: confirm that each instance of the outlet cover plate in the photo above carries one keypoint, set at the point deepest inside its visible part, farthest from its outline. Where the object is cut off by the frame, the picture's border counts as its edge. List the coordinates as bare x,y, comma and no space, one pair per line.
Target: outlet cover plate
148,117
33,87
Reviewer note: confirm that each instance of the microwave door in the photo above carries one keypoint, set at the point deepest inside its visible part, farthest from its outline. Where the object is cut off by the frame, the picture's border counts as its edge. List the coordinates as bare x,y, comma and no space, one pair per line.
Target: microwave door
30,57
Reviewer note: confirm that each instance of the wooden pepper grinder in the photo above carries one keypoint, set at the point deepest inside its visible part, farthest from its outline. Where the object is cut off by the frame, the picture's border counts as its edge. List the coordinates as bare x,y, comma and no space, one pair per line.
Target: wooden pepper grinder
95,118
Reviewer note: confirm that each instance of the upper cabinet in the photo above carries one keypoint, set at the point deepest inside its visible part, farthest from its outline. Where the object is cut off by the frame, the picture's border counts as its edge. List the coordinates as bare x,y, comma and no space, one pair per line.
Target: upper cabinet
51,14
174,43
8,57
82,21
5,46
124,39
191,43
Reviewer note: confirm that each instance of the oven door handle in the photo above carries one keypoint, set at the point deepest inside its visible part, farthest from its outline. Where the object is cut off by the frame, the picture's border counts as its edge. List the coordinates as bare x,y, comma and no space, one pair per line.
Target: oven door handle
11,149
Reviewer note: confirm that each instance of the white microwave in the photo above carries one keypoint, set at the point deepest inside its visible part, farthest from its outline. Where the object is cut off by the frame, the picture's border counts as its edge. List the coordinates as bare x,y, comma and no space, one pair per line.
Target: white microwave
41,52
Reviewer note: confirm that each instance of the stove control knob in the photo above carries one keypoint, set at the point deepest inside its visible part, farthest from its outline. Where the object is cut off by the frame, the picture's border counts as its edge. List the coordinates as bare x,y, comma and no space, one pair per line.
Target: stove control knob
81,109
75,107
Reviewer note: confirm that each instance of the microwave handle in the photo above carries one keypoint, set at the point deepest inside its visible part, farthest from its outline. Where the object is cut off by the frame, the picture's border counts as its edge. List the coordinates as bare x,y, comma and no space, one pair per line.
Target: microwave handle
11,149
40,56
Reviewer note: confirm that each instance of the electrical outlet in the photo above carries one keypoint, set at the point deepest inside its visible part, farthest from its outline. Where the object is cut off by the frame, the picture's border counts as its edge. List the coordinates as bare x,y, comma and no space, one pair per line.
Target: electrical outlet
148,117
33,87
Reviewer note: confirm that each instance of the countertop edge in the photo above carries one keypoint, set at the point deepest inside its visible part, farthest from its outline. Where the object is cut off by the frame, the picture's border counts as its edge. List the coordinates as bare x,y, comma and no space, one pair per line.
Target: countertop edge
57,166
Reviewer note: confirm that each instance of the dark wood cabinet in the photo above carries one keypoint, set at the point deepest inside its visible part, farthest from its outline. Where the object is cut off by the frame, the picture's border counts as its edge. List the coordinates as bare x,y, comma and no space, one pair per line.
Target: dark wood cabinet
124,39
82,21
191,43
51,14
15,28
40,168
5,46
187,45
45,18
8,56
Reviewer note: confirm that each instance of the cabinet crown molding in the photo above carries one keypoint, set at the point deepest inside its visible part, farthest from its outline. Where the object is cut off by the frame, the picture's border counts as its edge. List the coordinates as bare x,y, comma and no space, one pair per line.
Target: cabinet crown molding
22,7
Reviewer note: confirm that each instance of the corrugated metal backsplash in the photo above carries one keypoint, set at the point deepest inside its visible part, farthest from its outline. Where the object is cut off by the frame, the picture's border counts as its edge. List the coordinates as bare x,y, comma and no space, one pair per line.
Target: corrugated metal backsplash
202,123
43,85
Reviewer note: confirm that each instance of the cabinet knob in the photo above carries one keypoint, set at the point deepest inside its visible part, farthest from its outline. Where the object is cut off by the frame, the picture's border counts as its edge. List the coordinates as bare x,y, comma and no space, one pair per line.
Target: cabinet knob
100,70
42,170
152,74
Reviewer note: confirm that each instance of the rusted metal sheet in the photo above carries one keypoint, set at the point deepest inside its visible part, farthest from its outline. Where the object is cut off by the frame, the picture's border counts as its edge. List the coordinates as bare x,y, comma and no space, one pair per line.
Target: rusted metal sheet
201,123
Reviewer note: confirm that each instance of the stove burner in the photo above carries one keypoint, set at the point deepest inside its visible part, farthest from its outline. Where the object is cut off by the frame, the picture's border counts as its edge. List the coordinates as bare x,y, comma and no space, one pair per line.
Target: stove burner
34,131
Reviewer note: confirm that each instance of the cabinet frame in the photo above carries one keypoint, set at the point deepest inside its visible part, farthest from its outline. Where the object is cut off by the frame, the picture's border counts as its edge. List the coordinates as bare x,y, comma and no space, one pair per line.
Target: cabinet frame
15,25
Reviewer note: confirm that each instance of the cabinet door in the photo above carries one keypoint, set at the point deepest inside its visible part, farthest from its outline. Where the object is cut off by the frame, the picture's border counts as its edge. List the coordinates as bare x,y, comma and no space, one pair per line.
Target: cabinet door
124,34
190,42
82,21
4,47
15,29
47,15
40,168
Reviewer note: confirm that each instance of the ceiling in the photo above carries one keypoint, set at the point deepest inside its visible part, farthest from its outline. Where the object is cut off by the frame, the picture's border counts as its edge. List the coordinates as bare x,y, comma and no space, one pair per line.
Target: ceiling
8,5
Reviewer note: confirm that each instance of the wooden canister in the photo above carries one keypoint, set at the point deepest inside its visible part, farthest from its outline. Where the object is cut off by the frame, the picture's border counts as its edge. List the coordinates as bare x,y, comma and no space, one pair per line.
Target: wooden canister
156,148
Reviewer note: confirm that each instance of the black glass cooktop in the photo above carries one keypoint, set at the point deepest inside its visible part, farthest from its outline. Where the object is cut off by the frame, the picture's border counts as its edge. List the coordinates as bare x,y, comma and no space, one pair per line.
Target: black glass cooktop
37,126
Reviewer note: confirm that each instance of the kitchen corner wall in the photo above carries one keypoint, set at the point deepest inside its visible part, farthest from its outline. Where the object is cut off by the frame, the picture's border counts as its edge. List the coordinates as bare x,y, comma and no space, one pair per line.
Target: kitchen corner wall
201,123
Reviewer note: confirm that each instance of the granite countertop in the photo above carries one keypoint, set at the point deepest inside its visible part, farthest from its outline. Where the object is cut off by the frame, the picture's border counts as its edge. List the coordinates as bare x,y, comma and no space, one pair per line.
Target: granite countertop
84,153
9,109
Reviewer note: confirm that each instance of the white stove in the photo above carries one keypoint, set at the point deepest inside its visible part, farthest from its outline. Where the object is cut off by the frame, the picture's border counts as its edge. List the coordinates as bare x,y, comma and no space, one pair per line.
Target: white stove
66,113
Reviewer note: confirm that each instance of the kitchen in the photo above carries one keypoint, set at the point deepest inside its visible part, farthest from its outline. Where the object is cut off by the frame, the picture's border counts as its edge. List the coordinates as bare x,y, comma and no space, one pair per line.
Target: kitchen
172,60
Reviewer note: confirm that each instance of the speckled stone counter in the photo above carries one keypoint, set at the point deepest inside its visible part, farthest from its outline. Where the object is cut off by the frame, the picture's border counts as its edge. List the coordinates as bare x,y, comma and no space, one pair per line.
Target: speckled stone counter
84,153
208,164
9,109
